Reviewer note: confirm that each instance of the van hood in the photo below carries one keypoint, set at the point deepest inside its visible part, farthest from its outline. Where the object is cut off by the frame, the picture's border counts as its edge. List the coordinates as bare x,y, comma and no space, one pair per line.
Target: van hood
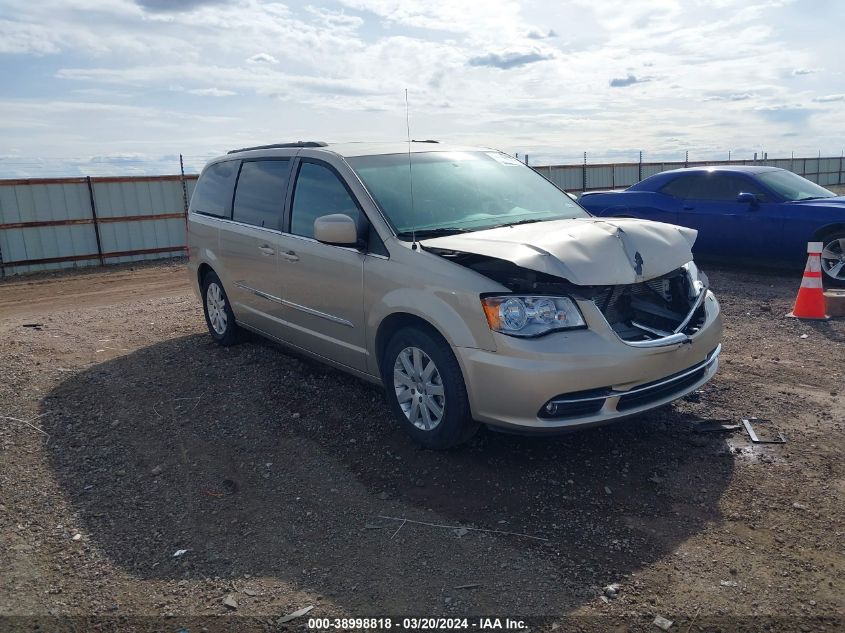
584,251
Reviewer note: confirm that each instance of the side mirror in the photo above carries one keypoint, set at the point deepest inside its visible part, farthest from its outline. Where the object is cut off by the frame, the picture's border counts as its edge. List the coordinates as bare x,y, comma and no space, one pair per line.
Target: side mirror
748,198
337,229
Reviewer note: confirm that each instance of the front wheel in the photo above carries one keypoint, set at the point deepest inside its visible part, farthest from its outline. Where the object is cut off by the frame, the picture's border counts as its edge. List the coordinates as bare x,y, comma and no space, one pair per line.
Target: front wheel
425,389
218,313
833,260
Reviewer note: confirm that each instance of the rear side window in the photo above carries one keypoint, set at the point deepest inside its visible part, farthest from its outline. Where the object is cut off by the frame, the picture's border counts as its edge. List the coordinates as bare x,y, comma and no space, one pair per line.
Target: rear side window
213,193
260,194
319,192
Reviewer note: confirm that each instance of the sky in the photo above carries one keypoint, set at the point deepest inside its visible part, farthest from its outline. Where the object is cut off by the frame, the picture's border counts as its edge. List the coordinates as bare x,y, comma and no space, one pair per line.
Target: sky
104,87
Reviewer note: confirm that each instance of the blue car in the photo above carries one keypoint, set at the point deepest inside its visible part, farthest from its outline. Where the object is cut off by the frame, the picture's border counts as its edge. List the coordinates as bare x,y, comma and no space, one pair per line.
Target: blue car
763,215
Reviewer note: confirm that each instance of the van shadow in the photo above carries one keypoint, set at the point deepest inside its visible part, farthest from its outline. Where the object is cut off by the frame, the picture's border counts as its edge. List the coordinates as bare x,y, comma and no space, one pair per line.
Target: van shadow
261,463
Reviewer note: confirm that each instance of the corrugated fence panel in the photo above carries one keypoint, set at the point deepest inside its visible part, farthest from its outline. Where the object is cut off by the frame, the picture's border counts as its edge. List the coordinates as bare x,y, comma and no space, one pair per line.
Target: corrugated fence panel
48,223
825,171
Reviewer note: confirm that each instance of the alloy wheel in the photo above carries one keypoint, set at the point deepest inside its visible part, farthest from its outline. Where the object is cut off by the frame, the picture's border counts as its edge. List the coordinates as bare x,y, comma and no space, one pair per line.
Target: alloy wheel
215,303
833,259
419,388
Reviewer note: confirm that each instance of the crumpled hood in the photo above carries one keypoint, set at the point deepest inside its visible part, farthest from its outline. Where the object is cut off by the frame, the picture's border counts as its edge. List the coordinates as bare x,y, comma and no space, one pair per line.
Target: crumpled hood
585,251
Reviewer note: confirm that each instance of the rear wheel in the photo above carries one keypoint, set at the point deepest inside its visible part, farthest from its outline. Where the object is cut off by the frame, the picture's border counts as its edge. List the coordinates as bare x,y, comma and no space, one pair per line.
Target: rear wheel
425,389
833,260
218,313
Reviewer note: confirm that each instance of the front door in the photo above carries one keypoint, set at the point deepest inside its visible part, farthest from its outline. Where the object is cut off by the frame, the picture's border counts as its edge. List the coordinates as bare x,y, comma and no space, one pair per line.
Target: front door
727,228
323,284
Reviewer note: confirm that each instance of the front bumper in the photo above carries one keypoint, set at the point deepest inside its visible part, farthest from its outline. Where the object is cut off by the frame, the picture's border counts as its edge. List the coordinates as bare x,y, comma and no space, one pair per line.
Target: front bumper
593,376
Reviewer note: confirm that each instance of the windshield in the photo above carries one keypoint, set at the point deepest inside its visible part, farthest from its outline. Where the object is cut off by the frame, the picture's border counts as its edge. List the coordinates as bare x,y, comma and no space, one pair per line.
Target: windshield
460,191
792,186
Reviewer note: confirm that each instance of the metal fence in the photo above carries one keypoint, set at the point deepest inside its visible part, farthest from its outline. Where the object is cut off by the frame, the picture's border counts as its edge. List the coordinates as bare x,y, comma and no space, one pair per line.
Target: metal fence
591,177
51,223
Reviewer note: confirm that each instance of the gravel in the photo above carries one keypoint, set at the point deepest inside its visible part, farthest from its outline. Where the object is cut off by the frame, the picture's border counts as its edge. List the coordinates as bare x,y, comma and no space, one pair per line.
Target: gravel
158,440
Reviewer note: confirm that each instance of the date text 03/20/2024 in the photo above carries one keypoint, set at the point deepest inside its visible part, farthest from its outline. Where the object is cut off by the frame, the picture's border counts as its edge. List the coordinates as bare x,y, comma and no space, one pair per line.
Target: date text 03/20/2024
417,624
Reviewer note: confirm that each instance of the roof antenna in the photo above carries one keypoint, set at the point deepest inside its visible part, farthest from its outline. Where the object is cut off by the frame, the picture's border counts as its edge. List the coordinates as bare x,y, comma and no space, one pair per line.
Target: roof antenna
410,175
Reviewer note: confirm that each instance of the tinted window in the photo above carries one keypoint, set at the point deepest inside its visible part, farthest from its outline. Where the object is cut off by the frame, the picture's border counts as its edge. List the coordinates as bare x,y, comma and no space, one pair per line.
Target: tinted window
318,192
680,187
213,193
717,186
260,194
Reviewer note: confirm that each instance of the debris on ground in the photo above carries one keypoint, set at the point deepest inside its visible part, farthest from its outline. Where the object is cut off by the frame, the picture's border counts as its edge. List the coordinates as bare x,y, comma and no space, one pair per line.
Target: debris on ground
716,426
294,615
778,438
611,590
662,623
229,602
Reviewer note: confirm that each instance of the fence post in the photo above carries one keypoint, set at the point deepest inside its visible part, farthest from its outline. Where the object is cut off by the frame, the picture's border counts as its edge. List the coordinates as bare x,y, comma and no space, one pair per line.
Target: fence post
96,222
584,174
640,170
841,156
184,187
686,158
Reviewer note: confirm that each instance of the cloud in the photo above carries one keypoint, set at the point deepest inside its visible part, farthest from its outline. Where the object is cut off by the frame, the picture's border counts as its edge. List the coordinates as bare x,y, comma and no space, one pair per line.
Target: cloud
262,58
736,96
785,113
536,34
335,19
18,38
829,98
630,80
805,71
174,6
211,92
508,60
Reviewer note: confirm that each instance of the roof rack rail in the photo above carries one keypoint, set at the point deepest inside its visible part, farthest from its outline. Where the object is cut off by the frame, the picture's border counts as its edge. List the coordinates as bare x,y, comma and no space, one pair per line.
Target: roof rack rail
281,145
428,140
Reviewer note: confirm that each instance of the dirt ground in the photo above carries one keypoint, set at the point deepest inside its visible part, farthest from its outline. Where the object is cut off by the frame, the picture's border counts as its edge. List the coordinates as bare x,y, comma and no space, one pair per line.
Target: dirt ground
127,436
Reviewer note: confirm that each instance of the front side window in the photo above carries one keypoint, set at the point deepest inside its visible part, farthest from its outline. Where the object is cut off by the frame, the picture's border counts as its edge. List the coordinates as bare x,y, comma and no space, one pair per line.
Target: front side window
792,186
260,193
319,192
680,188
723,187
460,191
213,193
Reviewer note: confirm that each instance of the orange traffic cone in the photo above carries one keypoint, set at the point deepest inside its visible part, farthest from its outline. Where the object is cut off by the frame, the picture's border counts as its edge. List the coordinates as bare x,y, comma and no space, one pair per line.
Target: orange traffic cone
810,301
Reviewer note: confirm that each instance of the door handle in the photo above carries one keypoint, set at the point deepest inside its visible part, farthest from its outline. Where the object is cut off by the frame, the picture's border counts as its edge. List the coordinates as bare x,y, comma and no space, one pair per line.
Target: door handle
290,256
266,249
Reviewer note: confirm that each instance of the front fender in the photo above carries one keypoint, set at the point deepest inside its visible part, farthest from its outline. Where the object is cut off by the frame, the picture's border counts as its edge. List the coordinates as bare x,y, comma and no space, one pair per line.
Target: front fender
442,309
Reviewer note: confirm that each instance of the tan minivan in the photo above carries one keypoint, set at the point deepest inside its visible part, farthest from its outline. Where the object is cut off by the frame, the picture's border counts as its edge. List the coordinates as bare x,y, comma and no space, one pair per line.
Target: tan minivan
467,284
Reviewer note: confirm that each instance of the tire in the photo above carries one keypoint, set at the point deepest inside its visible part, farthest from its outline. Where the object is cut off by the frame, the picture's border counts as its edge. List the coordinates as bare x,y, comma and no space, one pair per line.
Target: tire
218,312
443,389
834,248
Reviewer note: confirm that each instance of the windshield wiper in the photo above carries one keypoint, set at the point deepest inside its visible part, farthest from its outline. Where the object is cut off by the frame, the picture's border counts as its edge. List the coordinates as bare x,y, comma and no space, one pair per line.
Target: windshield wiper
438,232
814,198
528,221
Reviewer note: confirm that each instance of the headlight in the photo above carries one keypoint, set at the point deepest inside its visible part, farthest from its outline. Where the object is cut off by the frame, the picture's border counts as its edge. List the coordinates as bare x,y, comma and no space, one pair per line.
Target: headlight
531,316
698,280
